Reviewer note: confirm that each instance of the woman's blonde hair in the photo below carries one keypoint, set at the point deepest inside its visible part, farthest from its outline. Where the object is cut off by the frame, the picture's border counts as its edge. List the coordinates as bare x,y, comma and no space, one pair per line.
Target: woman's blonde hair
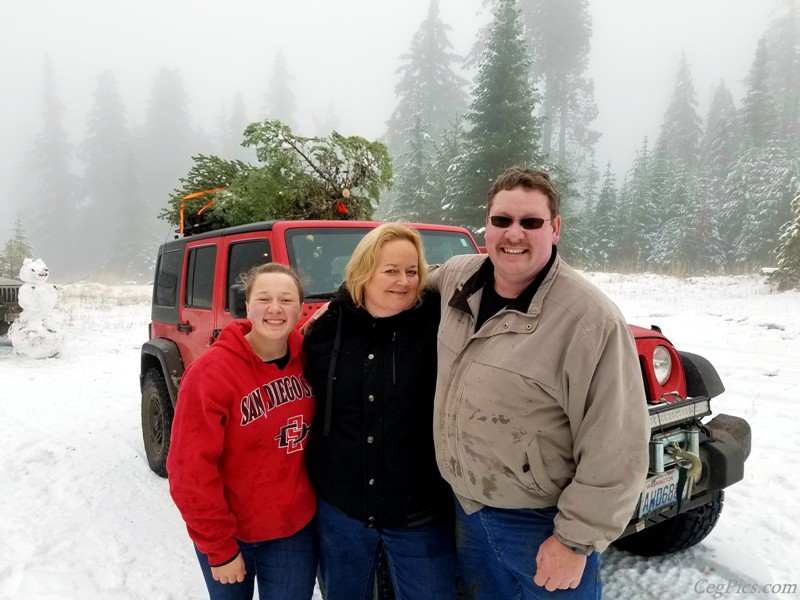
364,261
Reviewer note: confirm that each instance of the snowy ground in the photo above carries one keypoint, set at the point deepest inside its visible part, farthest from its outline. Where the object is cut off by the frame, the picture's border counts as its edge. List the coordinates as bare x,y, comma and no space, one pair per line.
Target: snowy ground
83,517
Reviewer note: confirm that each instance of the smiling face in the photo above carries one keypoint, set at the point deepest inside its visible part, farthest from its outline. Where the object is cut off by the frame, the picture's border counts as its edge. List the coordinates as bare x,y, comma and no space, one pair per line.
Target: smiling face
273,307
393,285
518,254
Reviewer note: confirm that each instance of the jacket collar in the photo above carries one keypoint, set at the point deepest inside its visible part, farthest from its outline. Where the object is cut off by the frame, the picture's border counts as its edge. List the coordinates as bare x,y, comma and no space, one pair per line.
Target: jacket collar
485,274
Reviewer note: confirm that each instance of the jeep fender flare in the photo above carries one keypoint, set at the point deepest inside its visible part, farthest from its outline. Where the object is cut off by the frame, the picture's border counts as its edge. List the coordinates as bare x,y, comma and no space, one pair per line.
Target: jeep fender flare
163,354
702,378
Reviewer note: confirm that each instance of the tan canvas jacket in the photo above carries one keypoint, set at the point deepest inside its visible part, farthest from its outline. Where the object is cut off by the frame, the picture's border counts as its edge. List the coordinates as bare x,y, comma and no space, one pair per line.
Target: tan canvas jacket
542,408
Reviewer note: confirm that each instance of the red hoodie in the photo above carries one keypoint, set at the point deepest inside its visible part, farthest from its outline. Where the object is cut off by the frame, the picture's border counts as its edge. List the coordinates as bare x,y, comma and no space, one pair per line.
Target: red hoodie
236,462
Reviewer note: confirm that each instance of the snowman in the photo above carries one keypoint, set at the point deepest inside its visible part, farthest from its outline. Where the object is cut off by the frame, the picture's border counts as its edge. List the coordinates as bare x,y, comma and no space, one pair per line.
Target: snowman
36,332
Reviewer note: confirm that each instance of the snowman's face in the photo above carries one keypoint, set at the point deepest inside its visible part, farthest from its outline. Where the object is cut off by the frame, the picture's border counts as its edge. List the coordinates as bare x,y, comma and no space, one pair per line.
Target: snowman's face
34,271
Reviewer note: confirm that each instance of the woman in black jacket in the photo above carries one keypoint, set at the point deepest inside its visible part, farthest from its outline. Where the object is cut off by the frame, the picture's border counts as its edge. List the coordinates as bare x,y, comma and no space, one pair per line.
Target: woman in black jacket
372,364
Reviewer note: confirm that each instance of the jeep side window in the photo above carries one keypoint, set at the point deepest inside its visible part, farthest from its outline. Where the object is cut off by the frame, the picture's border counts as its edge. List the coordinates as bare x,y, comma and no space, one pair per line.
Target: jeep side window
200,277
169,266
242,256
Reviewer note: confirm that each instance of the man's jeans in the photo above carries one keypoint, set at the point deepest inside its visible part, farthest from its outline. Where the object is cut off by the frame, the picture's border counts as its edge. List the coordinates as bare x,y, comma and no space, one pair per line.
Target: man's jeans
497,555
421,560
285,569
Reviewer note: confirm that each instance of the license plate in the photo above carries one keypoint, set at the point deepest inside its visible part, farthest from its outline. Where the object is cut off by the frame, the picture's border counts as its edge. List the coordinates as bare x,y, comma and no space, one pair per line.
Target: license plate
660,491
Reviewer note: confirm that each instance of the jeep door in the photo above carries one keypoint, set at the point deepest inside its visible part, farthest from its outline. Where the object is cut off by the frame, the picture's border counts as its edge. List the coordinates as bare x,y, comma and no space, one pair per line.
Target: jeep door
197,320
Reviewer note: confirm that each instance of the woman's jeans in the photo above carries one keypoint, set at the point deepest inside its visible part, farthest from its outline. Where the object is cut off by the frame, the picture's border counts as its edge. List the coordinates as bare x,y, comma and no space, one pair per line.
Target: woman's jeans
285,569
497,555
421,560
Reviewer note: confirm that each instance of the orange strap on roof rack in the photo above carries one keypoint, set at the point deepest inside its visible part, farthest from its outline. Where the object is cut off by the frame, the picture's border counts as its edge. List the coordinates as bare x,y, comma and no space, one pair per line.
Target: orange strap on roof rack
197,195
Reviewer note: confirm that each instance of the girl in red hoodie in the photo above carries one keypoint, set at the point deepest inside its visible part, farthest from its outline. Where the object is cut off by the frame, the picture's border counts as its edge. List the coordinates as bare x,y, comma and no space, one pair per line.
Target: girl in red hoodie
236,463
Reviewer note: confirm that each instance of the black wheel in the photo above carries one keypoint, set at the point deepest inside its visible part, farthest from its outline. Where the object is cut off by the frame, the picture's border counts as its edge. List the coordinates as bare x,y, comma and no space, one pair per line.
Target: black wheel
157,413
4,327
678,533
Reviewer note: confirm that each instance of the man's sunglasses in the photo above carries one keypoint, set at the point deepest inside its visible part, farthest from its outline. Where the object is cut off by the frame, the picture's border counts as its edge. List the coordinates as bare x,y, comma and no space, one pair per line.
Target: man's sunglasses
526,223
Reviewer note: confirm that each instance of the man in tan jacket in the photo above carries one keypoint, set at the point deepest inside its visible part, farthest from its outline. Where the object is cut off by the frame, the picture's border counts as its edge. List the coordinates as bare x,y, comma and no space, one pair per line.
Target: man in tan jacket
540,419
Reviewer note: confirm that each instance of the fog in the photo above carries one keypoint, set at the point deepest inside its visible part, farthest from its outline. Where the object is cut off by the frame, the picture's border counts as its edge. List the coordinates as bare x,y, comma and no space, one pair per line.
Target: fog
342,55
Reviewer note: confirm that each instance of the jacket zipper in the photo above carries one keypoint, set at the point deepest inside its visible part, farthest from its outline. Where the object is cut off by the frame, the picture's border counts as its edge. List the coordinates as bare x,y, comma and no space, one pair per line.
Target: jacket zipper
394,370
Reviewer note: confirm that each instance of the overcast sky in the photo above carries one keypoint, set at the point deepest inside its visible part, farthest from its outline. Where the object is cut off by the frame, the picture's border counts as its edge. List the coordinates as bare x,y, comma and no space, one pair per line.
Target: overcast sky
343,55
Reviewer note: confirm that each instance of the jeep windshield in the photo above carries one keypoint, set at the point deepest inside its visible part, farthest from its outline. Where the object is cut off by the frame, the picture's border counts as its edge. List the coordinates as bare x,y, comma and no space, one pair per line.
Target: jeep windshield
321,254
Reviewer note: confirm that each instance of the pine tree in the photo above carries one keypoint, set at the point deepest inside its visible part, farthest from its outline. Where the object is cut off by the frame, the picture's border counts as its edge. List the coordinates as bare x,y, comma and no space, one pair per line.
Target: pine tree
55,187
703,251
720,150
279,102
232,132
758,115
759,190
503,128
783,44
166,143
15,251
681,129
559,34
788,252
638,212
428,84
105,182
719,147
133,248
413,198
673,195
448,155
606,221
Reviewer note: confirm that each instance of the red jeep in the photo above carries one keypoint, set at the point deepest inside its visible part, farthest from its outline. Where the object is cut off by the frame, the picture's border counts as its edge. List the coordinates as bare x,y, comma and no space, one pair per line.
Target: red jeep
194,298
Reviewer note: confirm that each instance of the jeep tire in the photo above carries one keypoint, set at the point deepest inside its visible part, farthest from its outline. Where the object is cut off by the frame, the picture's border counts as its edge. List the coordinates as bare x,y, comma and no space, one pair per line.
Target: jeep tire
678,533
157,414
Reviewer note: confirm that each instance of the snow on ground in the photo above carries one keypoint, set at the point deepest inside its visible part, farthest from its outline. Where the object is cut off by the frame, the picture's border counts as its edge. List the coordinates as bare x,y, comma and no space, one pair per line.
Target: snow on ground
83,517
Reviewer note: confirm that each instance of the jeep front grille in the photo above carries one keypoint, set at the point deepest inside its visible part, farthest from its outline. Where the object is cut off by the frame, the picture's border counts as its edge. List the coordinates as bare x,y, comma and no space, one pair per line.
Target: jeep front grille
9,294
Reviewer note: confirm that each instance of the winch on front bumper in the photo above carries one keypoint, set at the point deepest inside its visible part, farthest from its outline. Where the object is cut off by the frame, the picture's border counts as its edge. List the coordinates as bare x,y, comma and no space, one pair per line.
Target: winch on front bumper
691,463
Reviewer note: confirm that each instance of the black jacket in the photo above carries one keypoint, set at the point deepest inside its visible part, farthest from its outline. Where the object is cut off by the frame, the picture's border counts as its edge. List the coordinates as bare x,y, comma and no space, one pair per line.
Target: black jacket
374,459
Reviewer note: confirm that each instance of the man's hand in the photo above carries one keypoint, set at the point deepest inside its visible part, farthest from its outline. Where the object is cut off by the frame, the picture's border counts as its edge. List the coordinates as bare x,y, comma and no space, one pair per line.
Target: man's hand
233,572
558,567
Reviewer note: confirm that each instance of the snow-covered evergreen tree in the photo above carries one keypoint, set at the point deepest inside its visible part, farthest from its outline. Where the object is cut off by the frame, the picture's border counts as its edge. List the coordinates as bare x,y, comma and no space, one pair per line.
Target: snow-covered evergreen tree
559,35
15,251
606,222
689,242
681,130
788,252
719,151
503,129
783,44
428,84
758,115
448,155
759,191
637,211
413,198
719,148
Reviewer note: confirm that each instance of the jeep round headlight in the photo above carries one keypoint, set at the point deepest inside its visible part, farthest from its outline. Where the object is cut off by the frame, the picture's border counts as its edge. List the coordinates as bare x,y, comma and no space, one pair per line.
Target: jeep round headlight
662,364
